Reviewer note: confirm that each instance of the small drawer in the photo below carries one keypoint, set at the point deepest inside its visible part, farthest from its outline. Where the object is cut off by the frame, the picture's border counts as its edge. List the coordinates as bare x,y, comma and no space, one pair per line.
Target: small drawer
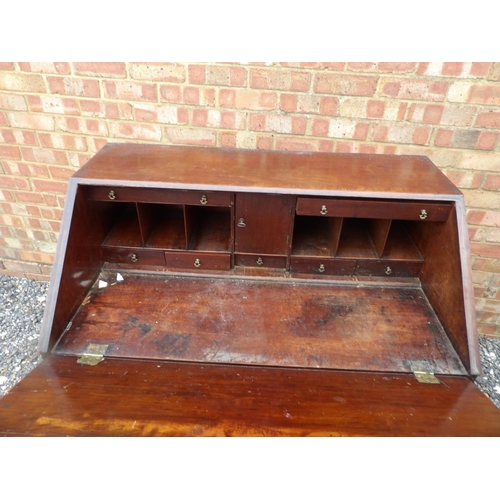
322,266
370,209
157,195
133,256
388,268
201,261
255,260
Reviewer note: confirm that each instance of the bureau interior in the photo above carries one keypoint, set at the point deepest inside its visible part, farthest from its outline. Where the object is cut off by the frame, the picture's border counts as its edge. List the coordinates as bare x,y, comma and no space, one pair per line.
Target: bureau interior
341,290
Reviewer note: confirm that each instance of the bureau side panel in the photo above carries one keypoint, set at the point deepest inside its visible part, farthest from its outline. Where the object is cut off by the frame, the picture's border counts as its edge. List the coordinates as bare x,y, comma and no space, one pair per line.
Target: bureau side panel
76,264
442,279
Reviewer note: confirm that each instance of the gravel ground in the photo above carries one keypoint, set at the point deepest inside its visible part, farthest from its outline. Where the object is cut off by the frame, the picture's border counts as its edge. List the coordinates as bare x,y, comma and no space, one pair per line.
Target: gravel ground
22,302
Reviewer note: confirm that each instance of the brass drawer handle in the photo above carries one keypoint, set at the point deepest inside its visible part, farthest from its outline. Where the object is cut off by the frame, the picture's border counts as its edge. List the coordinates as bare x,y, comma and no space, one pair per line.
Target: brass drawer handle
241,222
260,261
321,268
388,271
204,200
423,214
112,195
197,263
323,210
133,257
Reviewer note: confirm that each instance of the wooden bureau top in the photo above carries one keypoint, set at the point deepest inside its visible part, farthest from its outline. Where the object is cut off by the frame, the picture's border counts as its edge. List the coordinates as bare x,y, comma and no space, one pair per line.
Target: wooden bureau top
266,171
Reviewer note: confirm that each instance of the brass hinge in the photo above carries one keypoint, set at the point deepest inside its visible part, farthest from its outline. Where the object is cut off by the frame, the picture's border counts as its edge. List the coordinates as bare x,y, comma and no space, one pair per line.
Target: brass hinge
422,371
93,354
426,377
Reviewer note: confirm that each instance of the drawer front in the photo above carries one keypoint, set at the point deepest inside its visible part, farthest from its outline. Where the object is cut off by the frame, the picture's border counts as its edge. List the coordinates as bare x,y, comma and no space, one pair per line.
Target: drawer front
133,256
201,261
322,266
256,260
369,209
156,195
388,268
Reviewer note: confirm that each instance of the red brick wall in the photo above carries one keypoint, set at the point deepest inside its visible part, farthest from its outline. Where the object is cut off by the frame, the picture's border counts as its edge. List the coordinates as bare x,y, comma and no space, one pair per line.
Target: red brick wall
55,116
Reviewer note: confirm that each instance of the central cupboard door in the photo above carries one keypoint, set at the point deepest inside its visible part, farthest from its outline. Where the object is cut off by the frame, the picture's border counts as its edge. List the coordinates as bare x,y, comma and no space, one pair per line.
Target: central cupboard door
263,223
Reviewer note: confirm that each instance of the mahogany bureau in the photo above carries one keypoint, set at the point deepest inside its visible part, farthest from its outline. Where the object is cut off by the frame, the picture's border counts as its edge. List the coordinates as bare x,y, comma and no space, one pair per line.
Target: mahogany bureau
204,291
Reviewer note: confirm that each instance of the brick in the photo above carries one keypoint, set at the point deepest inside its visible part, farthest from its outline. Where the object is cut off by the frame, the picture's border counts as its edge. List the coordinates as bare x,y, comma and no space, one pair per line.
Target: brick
21,82
197,74
480,161
341,128
75,160
279,124
492,183
288,102
320,126
56,68
352,107
426,113
191,95
396,67
360,66
62,173
401,134
161,114
484,218
465,179
58,187
83,87
27,170
298,81
452,68
375,109
132,91
41,155
485,249
228,139
7,66
329,106
29,197
245,140
416,90
23,267
458,116
14,183
53,104
100,69
10,152
202,137
238,77
297,144
488,119
3,119
83,126
485,94
163,72
14,136
218,75
31,121
264,142
247,99
494,236
13,102
482,199
145,132
487,140
326,83
257,122
479,69
171,93
494,72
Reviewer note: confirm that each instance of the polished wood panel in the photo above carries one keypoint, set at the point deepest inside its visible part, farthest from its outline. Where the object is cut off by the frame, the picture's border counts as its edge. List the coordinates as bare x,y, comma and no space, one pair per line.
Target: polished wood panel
256,260
316,236
133,256
322,266
372,209
168,231
134,398
265,322
126,231
271,171
379,230
210,229
198,261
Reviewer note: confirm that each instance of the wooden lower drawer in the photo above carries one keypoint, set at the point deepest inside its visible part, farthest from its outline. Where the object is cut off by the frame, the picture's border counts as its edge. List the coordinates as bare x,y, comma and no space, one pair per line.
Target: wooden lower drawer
157,195
322,266
198,261
254,260
388,268
133,256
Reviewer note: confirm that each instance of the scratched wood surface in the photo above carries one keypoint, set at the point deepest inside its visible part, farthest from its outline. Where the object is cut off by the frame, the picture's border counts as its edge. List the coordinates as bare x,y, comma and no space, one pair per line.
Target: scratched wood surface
292,323
139,398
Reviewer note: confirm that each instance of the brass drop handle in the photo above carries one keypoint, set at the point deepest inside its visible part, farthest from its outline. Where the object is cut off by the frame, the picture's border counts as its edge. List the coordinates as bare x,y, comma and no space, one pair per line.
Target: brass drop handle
260,261
241,223
112,195
423,214
197,263
321,268
133,257
388,271
323,210
204,200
